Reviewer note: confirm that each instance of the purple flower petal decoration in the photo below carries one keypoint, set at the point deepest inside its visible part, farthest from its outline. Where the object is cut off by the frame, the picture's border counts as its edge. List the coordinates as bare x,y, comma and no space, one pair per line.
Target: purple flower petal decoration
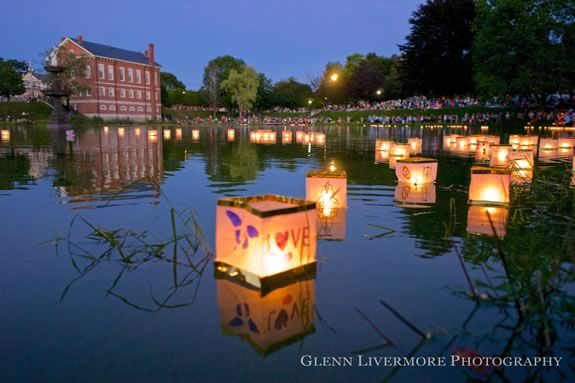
245,245
234,218
236,322
238,235
253,326
252,231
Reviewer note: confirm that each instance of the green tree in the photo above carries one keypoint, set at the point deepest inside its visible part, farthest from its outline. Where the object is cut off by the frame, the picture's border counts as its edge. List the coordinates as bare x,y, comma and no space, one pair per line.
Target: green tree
242,86
524,47
332,86
215,73
436,58
11,83
169,82
264,99
19,65
291,94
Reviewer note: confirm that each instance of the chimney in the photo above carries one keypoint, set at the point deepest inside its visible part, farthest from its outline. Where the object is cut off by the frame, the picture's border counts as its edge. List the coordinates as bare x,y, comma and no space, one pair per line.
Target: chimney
150,54
80,39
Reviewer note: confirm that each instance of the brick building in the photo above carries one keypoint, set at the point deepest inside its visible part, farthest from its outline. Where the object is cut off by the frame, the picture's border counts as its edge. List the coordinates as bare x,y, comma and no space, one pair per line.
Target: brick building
121,84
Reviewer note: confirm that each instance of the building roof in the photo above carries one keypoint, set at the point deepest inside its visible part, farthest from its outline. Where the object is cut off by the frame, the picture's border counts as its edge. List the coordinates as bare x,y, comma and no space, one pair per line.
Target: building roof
113,52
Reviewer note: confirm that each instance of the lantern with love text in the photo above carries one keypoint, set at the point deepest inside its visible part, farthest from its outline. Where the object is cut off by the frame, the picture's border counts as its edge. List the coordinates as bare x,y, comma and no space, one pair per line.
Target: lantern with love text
328,188
416,170
489,186
263,136
499,156
487,220
195,134
415,196
566,143
287,137
167,134
152,135
548,144
268,322
383,145
231,135
264,238
415,145
5,135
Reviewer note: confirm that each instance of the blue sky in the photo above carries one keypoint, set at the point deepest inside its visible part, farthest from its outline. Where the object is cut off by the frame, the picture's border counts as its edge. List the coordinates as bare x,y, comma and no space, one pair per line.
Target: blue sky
280,38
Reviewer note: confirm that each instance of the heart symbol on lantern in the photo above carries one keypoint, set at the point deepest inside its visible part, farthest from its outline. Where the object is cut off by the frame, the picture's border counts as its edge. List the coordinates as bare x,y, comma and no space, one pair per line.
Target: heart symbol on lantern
282,239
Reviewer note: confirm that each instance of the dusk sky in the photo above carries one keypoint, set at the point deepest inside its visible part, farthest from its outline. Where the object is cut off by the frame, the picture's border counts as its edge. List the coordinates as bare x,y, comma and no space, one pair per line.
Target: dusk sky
279,38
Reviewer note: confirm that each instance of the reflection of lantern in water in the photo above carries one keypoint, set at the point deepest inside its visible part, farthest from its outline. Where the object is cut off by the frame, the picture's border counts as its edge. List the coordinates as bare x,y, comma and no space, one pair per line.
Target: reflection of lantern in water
153,135
178,134
195,134
121,132
137,131
548,144
331,223
489,186
415,145
381,156
499,156
478,220
383,145
263,136
106,129
167,134
409,195
261,236
5,135
328,188
231,135
484,128
416,170
287,137
269,321
566,143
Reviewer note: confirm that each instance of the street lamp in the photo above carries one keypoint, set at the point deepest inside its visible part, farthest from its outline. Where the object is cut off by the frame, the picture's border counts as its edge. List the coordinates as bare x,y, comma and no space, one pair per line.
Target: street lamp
334,76
378,92
310,101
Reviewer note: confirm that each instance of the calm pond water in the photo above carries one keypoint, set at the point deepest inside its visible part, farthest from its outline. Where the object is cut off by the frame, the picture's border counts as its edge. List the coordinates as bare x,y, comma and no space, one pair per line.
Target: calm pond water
68,318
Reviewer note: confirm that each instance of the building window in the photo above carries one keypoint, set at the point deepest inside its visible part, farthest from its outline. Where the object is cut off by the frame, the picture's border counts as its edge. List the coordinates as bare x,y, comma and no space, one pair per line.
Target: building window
131,93
122,74
88,71
138,76
111,92
147,77
123,93
110,72
156,78
101,91
130,75
101,75
148,95
139,93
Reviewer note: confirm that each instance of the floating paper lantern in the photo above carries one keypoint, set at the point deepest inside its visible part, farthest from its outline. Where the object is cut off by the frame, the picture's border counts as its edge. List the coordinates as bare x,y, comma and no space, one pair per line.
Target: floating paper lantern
263,136
287,137
106,129
268,322
499,155
318,138
5,135
409,195
152,135
476,139
522,159
400,150
482,152
416,170
178,134
299,135
328,188
449,141
167,134
489,186
383,145
121,132
262,238
137,131
478,220
484,128
462,142
381,156
231,133
566,143
195,134
548,144
415,145
492,140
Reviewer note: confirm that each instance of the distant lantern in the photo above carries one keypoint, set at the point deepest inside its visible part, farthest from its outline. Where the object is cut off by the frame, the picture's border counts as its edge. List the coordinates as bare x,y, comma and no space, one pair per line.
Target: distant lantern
381,156
478,220
416,170
231,135
522,159
499,156
138,131
489,186
263,136
383,145
179,134
195,134
484,128
5,135
482,151
566,143
476,139
287,136
548,144
416,196
262,237
462,142
514,141
106,129
167,134
397,152
492,140
153,135
268,322
415,145
299,135
121,132
449,141
327,188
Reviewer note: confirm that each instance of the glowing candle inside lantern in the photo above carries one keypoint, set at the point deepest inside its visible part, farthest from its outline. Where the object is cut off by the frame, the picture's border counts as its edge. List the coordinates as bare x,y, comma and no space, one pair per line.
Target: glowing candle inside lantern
179,134
121,132
489,186
328,188
449,141
523,159
195,134
548,144
415,145
287,137
299,135
167,134
152,135
499,155
416,170
381,156
383,145
566,143
231,135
